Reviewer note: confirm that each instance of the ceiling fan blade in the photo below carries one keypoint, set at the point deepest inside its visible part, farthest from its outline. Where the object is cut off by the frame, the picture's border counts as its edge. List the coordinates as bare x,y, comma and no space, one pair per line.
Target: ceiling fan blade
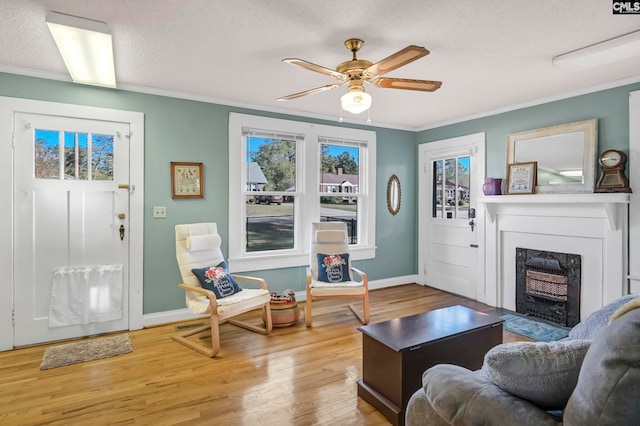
397,60
407,84
316,68
310,92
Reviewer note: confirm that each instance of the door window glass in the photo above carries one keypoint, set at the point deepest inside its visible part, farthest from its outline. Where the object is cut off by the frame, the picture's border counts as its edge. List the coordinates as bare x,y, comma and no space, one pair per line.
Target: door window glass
47,155
451,191
75,156
77,148
101,157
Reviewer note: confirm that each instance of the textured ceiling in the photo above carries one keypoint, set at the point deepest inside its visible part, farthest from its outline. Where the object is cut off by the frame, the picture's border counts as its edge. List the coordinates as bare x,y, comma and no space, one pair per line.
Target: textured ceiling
490,54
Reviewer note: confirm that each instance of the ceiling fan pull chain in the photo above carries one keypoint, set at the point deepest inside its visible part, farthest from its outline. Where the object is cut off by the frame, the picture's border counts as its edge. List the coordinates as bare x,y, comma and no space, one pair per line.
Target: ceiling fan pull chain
369,116
340,119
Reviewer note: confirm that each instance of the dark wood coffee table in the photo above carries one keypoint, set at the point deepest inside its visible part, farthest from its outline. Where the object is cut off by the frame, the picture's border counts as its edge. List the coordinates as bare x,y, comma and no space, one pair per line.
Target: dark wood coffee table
395,353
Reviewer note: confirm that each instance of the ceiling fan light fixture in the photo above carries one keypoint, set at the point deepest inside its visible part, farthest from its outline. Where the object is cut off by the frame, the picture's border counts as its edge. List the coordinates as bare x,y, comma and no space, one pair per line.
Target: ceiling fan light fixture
355,101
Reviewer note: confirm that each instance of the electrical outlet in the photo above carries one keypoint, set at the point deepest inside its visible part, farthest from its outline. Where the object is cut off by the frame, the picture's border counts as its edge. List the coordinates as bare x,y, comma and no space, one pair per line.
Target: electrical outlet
159,212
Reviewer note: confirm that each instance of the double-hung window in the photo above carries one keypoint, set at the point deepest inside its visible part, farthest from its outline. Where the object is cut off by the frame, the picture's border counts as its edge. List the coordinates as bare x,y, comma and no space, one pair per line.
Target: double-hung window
284,175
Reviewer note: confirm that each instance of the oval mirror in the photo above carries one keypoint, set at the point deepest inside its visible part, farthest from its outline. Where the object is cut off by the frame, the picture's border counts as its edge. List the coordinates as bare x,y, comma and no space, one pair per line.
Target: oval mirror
393,195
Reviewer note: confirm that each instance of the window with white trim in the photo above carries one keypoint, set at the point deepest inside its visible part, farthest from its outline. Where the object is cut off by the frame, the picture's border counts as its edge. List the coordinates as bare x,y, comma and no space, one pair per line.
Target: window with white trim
284,175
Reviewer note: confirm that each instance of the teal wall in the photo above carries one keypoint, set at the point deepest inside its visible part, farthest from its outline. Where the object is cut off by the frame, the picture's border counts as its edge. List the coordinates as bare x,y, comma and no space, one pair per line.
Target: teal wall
184,130
610,107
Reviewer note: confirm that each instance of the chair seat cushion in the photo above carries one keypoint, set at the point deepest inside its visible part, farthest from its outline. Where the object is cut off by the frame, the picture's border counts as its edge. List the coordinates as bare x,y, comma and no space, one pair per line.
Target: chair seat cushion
345,288
333,268
217,279
236,303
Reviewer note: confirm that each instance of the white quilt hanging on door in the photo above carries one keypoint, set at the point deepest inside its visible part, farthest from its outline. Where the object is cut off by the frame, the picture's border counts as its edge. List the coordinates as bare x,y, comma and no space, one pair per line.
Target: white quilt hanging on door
85,294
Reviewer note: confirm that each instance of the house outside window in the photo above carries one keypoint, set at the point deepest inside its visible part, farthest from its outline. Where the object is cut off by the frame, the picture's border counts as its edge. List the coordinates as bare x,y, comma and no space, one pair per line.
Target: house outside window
288,175
255,177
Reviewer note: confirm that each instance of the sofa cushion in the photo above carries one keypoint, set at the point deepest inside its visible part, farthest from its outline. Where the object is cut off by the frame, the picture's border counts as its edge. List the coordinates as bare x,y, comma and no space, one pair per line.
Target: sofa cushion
591,326
544,373
462,397
609,383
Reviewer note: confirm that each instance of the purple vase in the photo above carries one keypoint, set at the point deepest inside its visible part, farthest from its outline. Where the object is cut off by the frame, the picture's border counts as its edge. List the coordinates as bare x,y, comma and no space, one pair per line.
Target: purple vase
492,186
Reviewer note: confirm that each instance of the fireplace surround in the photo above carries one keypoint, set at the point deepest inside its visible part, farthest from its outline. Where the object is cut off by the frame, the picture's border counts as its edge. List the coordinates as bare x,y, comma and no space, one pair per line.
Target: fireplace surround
593,226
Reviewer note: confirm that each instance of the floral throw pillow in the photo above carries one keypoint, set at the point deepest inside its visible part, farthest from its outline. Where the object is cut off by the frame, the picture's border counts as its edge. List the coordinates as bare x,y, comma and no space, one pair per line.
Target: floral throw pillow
217,279
333,268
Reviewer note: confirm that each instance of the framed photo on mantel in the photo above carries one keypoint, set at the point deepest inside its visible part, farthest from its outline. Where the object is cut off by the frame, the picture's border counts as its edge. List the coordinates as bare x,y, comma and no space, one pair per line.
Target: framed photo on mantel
186,180
521,178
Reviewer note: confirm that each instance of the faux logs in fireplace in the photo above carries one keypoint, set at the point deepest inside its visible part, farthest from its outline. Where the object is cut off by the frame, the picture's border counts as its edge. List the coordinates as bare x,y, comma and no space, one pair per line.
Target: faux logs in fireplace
548,285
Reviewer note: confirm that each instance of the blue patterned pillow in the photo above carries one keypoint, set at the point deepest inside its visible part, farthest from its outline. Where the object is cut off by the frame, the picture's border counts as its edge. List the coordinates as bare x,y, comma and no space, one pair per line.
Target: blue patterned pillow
333,268
217,279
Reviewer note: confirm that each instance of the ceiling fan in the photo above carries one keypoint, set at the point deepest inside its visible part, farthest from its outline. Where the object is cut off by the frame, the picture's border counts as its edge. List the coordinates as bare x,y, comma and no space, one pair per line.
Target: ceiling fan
356,71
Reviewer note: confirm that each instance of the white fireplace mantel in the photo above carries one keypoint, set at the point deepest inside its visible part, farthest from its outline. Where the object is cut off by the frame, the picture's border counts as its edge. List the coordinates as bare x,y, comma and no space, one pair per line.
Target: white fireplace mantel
609,202
595,226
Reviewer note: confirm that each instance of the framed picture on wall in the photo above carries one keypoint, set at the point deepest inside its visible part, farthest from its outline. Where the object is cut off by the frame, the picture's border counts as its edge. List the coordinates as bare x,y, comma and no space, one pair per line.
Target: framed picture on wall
521,178
187,180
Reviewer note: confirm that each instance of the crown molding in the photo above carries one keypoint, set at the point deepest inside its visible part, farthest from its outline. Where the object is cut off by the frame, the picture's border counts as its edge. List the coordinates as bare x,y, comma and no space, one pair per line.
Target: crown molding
263,108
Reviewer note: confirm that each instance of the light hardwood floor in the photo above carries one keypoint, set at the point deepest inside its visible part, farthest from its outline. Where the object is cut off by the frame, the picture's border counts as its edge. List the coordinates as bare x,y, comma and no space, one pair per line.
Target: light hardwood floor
295,376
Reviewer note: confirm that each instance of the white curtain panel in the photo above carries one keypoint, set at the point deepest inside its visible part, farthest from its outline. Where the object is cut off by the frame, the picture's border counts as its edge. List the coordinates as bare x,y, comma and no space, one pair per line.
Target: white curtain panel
85,294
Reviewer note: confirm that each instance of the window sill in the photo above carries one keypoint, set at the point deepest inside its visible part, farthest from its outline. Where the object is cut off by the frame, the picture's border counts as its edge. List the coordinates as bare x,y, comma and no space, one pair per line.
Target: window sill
289,260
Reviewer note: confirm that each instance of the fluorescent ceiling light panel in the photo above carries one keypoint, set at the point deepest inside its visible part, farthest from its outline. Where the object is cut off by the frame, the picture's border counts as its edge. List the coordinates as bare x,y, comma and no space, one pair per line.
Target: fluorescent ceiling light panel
616,49
86,48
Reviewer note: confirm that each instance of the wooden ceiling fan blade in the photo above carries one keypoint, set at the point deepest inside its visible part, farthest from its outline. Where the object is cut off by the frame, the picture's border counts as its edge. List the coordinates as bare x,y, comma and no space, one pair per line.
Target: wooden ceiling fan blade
397,60
407,84
309,92
317,68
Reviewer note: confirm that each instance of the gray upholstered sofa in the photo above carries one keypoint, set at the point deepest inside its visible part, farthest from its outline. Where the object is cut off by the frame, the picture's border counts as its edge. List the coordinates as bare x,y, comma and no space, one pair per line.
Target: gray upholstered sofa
590,378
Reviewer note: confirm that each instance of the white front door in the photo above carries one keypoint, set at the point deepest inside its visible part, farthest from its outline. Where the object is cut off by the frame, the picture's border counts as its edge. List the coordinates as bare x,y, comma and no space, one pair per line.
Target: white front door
451,224
71,233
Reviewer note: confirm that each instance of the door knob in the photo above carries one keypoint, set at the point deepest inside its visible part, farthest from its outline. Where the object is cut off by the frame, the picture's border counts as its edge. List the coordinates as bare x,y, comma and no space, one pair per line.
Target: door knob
471,224
121,216
121,232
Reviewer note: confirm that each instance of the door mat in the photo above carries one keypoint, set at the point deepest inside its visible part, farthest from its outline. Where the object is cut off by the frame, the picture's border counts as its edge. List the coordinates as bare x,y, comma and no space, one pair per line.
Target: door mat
536,330
89,350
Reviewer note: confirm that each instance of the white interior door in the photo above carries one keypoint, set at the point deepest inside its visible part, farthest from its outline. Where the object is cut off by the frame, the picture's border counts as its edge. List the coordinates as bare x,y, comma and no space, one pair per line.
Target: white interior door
71,233
451,246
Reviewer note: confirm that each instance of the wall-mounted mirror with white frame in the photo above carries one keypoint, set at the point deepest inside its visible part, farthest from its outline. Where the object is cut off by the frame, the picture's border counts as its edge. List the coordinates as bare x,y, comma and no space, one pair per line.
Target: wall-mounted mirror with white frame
566,155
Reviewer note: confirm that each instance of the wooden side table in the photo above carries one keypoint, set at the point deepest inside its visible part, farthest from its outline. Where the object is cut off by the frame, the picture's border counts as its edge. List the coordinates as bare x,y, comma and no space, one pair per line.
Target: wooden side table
395,353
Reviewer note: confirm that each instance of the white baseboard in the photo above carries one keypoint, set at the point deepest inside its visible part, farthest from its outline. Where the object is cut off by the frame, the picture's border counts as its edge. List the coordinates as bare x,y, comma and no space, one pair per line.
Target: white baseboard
158,318
392,282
